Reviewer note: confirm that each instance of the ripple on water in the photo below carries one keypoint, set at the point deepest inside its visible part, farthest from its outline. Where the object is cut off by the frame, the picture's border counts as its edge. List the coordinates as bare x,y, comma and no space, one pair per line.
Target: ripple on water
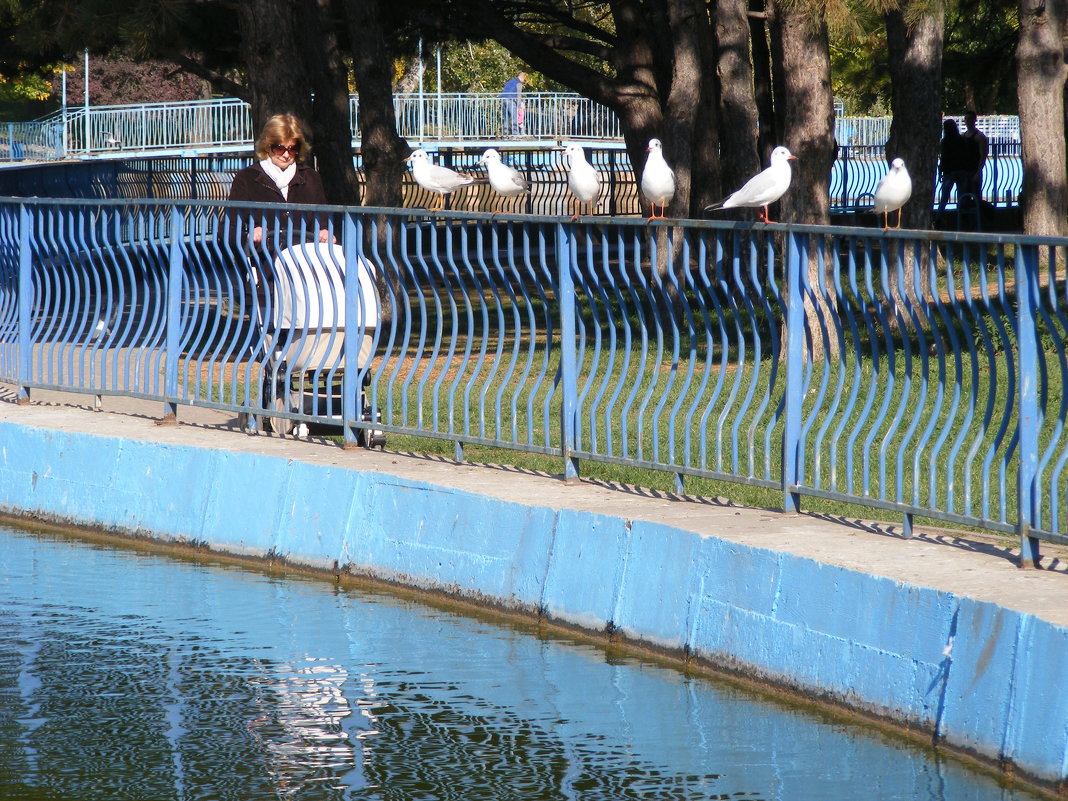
126,675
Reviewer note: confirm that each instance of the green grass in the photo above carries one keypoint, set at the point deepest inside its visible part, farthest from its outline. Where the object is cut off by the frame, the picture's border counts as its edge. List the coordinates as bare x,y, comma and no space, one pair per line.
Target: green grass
424,387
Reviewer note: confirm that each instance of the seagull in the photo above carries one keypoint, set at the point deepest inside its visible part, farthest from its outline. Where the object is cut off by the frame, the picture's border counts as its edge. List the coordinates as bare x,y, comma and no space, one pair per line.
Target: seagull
110,140
764,188
506,181
437,179
658,179
582,178
893,192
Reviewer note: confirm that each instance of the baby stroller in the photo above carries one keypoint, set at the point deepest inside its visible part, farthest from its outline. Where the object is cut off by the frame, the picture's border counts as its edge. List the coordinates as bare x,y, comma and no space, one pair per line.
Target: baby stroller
305,338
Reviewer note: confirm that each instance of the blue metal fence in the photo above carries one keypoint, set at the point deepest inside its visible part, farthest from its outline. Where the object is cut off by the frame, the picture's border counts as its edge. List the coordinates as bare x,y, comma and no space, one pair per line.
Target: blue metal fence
922,376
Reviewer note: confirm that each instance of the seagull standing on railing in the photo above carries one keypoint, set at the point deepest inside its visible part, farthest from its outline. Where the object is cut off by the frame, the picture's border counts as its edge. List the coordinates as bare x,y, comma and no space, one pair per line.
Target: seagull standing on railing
658,179
110,140
440,180
764,188
506,181
893,192
582,178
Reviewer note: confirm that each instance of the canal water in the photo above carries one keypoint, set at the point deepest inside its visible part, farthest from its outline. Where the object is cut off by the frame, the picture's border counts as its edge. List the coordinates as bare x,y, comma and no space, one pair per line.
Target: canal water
133,675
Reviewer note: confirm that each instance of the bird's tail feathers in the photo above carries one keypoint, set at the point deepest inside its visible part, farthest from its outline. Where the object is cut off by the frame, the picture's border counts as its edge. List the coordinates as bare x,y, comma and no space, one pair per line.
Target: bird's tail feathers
714,206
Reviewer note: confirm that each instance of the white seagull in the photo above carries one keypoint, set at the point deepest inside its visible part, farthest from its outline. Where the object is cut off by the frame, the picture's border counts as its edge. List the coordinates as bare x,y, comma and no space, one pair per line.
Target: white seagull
658,179
440,180
582,178
764,188
893,192
506,181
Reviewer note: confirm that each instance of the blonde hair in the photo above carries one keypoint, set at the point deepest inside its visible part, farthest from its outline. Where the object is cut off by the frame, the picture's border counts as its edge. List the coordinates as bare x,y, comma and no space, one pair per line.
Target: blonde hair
279,129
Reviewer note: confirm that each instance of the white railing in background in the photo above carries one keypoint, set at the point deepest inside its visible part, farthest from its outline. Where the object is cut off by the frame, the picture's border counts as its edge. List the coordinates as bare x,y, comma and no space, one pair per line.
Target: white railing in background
224,125
868,131
479,117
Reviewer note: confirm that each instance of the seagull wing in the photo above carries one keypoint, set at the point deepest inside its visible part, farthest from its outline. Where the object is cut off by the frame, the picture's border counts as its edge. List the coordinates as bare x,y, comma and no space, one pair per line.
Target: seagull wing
516,179
445,178
893,191
760,190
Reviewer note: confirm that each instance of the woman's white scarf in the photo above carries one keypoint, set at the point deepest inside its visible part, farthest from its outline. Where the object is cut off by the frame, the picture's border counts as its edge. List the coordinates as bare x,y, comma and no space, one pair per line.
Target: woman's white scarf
281,178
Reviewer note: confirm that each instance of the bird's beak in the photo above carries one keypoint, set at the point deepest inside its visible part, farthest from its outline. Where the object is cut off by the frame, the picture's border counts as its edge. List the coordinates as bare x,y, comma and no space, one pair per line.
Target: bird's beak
792,157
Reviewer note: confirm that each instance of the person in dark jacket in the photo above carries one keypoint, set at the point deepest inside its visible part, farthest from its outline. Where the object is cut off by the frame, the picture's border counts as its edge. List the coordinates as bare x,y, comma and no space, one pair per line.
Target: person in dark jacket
953,164
279,175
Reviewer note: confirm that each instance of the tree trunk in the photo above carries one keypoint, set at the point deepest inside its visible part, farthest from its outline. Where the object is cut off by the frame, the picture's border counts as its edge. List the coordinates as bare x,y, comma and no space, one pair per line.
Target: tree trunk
805,110
768,135
691,138
1040,71
414,67
915,53
382,148
329,125
270,50
738,126
293,64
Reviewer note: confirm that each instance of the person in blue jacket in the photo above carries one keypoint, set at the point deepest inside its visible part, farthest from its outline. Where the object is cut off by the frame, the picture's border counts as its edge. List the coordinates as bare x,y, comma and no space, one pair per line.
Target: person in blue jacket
512,98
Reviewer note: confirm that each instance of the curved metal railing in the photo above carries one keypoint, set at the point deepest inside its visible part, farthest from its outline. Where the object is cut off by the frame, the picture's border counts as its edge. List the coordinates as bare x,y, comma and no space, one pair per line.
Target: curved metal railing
911,374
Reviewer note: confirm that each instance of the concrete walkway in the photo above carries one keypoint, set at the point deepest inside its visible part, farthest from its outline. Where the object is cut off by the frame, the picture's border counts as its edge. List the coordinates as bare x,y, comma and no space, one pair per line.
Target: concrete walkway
981,567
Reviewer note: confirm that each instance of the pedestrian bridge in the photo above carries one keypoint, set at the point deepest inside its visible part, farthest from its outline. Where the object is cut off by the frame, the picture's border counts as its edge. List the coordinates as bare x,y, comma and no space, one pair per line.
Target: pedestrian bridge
224,125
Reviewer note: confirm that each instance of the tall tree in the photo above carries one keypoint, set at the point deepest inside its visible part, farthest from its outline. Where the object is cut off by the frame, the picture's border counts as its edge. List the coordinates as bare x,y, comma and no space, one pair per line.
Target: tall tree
329,116
737,100
293,66
805,107
914,44
383,149
1041,80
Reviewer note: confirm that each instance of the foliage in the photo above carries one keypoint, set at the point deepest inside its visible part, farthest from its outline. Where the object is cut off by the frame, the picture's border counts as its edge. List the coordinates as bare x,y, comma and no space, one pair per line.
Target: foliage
30,86
860,75
978,67
481,67
977,64
200,36
474,67
115,81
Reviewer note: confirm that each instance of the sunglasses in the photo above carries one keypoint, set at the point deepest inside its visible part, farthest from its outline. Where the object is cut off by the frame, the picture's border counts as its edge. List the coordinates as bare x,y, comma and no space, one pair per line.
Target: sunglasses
292,150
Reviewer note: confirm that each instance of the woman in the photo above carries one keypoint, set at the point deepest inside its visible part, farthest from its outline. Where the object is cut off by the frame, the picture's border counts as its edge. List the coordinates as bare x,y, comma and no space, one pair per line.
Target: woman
279,176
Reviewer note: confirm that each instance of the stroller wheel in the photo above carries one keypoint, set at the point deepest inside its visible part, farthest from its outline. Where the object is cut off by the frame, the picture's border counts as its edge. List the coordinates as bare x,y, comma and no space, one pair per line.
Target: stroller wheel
371,437
282,425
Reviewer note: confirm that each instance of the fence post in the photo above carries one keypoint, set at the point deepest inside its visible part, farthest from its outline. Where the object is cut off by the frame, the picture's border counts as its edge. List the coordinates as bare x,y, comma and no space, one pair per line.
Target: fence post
795,261
25,304
175,268
568,357
1027,337
845,151
613,209
349,374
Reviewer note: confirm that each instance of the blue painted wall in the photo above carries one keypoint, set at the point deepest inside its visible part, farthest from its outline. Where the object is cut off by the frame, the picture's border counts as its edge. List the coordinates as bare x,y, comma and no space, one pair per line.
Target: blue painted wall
986,679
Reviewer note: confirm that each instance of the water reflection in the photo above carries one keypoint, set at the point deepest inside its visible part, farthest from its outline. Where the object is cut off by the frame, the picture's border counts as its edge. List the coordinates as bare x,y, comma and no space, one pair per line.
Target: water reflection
130,676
